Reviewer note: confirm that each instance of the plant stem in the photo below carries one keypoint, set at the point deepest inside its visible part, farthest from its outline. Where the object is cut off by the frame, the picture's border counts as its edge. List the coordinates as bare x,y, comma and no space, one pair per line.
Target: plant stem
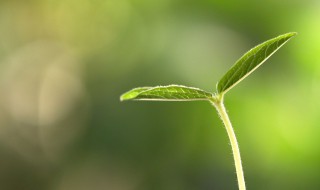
218,104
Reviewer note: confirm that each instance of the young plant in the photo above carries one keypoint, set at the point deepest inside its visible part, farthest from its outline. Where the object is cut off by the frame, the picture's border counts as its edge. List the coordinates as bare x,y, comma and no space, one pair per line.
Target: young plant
241,69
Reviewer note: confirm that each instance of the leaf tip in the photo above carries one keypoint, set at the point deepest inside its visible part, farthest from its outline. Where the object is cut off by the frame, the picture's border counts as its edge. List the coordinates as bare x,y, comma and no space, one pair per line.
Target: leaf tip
126,96
122,98
291,34
132,94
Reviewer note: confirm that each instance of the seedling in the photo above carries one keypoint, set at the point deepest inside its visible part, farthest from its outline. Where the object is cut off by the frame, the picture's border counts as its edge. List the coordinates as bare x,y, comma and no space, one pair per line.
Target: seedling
240,70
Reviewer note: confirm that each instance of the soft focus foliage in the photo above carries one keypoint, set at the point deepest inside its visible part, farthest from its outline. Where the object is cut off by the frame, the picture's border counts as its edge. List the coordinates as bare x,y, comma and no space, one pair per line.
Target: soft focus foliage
63,65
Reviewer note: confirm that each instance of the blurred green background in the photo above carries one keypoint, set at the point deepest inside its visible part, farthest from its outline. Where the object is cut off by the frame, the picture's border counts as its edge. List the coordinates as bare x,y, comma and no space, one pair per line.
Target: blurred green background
64,64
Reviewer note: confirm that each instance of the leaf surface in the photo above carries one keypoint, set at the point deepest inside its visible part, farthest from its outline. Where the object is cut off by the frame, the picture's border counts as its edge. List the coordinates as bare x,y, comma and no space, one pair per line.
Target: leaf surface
166,93
251,61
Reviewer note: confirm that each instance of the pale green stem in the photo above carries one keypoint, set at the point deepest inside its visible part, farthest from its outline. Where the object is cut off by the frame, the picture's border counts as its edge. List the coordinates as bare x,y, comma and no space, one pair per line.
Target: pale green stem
218,103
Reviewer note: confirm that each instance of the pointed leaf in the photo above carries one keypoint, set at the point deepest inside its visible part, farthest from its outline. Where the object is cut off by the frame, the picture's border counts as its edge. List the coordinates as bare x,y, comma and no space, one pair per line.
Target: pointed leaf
166,93
133,93
251,61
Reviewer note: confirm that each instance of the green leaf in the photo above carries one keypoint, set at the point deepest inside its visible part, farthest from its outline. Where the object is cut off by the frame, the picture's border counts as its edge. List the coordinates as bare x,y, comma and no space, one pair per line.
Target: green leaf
166,93
251,61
